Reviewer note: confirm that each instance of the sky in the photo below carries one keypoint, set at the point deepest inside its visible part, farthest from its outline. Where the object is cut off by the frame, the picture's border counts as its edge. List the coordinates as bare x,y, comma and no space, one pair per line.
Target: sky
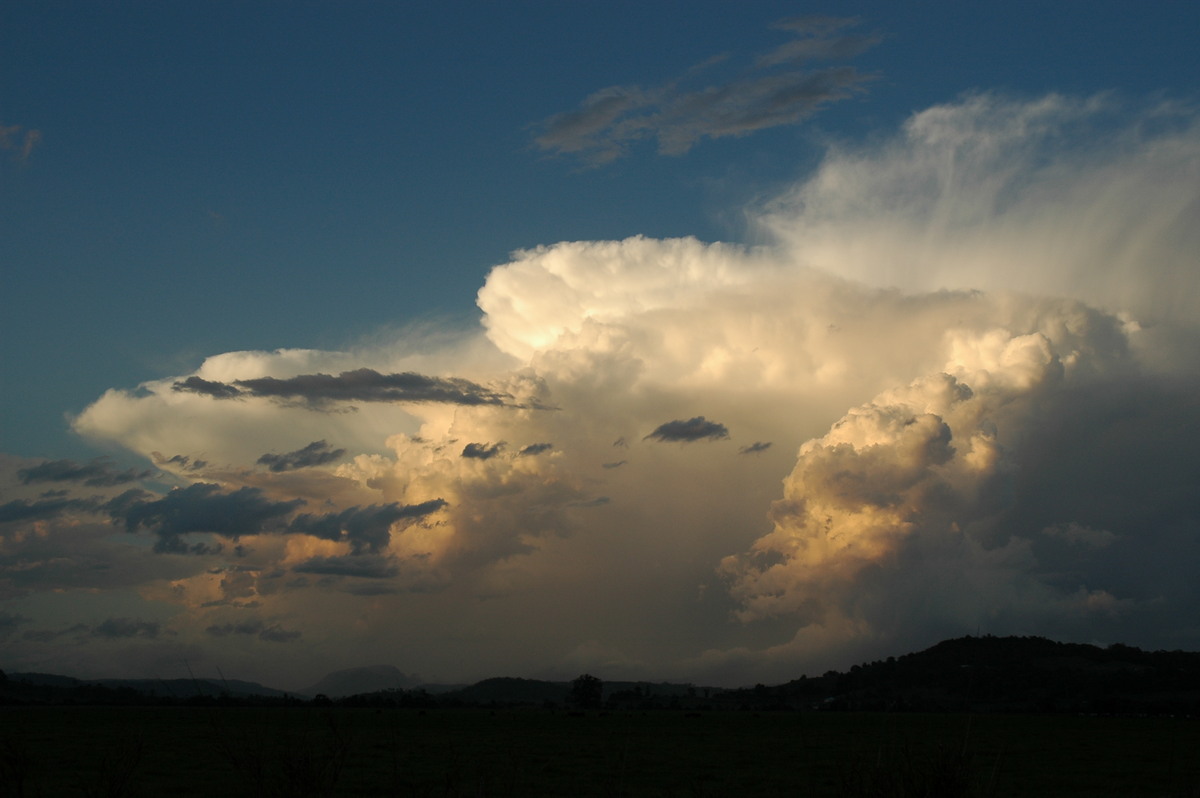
699,341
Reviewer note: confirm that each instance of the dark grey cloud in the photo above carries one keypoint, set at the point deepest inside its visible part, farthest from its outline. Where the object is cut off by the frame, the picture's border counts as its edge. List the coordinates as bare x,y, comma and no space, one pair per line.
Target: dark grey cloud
204,507
366,529
769,93
111,629
360,385
9,621
217,390
482,451
314,454
599,501
694,429
181,461
271,633
363,566
23,510
754,448
97,473
535,448
126,627
79,630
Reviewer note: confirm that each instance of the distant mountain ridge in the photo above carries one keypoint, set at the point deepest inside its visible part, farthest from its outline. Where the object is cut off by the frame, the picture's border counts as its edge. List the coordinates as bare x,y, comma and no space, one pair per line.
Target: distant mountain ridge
173,688
367,679
968,674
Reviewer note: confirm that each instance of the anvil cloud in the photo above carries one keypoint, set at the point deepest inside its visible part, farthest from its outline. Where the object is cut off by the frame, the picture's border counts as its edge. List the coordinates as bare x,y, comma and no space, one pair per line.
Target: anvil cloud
964,365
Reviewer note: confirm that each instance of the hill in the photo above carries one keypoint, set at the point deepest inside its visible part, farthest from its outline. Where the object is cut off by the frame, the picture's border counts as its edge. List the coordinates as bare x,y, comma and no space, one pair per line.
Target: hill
1001,674
967,674
369,679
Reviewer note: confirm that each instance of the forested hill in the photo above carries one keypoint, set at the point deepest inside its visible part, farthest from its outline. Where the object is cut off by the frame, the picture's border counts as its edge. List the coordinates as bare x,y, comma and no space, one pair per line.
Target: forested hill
1002,674
968,674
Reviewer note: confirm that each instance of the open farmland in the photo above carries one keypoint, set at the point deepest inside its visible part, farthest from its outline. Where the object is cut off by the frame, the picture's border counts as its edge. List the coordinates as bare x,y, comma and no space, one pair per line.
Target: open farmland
181,751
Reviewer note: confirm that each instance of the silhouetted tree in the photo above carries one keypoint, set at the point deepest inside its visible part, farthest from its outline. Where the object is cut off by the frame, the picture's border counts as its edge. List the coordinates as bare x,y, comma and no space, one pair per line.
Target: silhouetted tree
587,692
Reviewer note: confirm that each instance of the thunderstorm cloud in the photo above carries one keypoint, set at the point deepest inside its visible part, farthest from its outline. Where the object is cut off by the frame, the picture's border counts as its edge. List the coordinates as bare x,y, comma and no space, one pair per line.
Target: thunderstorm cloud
963,359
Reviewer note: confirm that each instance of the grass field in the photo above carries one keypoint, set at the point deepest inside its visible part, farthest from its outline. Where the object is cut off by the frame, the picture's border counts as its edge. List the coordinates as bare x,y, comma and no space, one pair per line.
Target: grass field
132,751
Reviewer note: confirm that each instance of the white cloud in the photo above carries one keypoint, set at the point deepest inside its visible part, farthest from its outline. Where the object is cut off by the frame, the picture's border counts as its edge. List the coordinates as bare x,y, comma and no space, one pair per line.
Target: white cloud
1090,198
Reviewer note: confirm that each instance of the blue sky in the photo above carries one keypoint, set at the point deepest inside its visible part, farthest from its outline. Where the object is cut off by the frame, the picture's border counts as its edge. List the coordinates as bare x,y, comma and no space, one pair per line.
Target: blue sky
603,237
254,175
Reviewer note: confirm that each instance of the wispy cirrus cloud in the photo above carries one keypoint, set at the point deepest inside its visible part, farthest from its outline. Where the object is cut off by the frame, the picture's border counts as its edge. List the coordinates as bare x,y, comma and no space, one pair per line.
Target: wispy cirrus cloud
773,91
19,140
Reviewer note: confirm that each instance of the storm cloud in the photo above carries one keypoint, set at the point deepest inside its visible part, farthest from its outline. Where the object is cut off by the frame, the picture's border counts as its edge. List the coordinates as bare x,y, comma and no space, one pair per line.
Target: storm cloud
964,364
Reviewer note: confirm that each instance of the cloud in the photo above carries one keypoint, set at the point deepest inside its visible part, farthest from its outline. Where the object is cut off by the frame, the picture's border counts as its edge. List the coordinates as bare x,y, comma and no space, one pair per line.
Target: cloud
97,473
364,528
363,566
997,193
9,621
203,387
944,364
610,120
314,454
127,627
817,41
272,633
21,144
694,429
205,508
359,385
482,451
25,510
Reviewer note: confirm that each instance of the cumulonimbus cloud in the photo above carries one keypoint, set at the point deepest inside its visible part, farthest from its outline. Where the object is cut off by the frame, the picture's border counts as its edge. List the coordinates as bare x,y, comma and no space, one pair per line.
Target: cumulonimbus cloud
951,408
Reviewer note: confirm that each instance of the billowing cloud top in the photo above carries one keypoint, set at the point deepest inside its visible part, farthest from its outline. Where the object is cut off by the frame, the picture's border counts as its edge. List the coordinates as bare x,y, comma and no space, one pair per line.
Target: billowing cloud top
965,368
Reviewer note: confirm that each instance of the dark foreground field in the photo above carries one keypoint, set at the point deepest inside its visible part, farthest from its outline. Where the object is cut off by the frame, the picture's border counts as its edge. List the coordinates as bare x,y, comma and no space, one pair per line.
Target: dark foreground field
126,751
